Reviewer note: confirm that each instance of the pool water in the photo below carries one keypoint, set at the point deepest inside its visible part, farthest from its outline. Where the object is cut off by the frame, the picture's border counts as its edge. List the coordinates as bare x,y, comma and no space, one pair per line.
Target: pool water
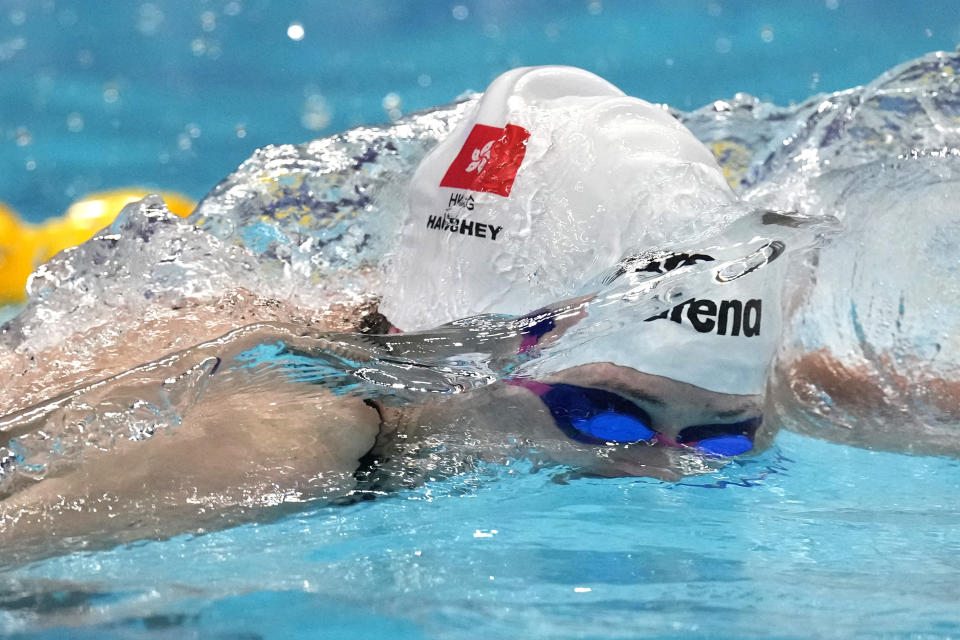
175,97
809,539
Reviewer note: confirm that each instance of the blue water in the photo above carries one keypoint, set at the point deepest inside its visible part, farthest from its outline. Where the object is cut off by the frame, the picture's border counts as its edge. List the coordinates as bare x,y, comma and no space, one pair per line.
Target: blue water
157,93
808,540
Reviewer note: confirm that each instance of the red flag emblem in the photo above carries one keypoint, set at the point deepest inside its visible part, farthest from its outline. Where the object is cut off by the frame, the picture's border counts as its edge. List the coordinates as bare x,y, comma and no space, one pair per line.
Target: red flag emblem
489,160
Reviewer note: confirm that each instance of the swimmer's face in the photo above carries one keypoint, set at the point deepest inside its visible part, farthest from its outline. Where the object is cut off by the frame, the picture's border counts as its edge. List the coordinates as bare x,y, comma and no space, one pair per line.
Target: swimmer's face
502,415
674,410
672,406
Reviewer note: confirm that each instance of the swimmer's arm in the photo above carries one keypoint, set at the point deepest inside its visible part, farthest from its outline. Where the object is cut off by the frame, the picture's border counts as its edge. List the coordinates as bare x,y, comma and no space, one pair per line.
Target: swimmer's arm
873,403
251,439
238,457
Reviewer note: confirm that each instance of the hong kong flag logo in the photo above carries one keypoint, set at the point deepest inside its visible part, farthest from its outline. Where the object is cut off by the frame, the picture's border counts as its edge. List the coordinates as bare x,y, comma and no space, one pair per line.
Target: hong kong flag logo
489,160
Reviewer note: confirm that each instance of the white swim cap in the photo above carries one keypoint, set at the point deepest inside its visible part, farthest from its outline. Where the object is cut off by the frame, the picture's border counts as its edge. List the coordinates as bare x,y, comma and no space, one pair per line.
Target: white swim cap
552,178
722,340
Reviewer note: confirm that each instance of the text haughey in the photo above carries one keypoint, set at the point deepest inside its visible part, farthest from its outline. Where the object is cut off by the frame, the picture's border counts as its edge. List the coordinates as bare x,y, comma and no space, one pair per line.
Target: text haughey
453,224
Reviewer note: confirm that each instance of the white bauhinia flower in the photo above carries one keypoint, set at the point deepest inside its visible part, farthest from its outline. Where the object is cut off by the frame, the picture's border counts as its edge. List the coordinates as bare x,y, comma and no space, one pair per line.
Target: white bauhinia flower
480,157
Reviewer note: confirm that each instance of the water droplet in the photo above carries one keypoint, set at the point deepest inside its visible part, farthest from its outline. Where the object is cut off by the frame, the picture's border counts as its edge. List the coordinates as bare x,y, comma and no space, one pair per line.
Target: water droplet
723,45
85,58
10,48
766,34
503,263
595,7
208,21
460,12
424,80
391,101
295,31
111,93
67,18
23,137
150,19
316,113
392,104
75,122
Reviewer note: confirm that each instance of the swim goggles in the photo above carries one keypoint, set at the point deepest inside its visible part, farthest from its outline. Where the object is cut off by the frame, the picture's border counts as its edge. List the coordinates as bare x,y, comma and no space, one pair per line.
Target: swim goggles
595,416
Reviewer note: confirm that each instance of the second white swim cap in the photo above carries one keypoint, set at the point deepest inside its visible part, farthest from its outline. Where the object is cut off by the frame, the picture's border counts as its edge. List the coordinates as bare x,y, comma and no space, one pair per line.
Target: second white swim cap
552,178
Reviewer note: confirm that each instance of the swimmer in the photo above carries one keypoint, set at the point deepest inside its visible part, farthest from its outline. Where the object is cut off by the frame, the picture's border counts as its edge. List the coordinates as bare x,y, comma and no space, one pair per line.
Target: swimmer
554,176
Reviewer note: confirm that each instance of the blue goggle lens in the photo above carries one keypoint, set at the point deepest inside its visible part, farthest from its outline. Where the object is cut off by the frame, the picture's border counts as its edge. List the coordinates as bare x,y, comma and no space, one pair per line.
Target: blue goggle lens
594,416
615,427
725,445
721,439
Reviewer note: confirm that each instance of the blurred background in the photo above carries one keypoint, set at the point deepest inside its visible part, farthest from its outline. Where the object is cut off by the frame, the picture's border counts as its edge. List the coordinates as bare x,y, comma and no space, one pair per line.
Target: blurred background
172,95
